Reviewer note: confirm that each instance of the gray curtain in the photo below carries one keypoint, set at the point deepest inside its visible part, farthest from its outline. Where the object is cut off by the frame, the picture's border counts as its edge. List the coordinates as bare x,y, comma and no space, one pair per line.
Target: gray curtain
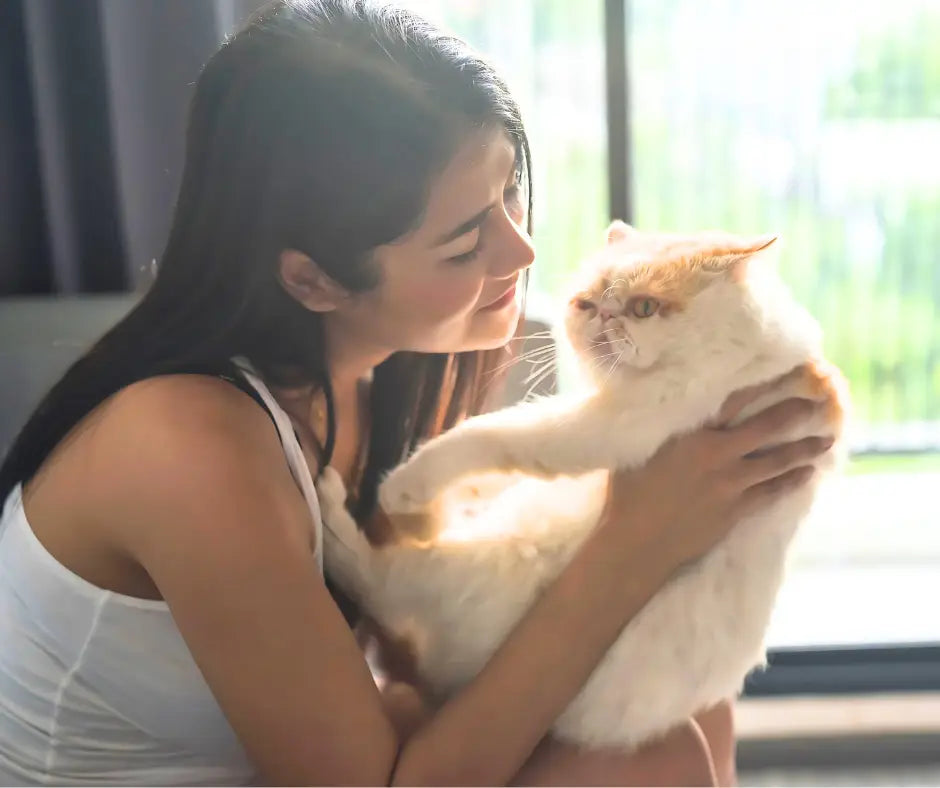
93,100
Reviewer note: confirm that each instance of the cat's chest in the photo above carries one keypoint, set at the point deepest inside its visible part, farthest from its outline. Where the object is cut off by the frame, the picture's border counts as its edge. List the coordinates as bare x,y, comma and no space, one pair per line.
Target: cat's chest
633,435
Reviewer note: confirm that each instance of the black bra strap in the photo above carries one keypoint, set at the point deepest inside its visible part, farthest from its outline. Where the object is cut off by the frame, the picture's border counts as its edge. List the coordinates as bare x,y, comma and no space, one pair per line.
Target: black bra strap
238,380
229,372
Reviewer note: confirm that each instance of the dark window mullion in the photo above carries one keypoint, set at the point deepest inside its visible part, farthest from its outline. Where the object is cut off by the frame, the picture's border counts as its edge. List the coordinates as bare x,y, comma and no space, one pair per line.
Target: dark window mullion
618,109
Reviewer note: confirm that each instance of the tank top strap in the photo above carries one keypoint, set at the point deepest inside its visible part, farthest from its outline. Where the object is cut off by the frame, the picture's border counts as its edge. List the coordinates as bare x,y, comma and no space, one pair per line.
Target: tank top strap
292,449
239,372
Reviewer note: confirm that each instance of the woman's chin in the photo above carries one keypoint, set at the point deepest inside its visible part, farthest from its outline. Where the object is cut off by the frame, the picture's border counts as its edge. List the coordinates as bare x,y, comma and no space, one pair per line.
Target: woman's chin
483,331
491,330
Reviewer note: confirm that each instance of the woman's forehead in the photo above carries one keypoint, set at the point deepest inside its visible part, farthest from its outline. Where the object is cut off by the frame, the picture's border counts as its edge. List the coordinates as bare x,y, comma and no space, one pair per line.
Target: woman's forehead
474,177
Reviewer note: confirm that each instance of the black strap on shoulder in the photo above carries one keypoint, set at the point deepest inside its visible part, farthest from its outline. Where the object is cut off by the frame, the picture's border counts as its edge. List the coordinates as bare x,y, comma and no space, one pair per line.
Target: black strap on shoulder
229,372
237,379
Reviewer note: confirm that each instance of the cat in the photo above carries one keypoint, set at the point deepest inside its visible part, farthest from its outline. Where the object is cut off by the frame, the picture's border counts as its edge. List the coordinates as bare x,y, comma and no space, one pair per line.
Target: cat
664,328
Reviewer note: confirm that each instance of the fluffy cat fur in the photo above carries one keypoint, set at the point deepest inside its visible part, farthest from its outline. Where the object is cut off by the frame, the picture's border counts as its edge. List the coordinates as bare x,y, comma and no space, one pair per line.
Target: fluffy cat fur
665,327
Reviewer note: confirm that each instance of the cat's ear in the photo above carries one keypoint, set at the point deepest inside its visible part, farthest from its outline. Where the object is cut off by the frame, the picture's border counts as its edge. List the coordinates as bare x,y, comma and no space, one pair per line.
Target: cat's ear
618,231
734,259
752,246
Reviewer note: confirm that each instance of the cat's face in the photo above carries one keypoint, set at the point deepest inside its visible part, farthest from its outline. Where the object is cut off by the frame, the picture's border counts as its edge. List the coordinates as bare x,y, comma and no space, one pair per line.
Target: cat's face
659,303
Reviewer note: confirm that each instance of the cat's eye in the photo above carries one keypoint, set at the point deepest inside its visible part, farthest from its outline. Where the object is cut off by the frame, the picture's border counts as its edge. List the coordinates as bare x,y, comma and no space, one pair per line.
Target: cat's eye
644,307
583,304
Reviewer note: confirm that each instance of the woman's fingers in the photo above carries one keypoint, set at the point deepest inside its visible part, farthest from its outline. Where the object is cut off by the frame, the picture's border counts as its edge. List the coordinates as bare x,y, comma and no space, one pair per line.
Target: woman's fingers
762,495
766,428
740,399
777,461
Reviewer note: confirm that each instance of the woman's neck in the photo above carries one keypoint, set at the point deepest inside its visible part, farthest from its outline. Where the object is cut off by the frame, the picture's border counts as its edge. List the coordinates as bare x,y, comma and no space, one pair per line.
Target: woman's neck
349,368
350,361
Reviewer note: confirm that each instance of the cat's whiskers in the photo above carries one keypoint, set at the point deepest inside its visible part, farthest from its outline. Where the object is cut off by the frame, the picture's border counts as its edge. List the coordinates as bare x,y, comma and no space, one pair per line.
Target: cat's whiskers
549,364
534,356
543,374
607,355
622,336
596,344
535,352
613,365
600,363
537,335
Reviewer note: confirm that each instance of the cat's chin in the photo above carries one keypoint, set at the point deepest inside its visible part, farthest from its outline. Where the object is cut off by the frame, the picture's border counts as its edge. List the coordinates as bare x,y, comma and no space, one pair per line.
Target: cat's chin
625,375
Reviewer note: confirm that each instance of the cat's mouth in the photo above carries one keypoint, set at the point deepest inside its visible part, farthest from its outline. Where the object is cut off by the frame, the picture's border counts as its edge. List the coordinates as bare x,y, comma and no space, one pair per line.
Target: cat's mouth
601,349
610,348
612,336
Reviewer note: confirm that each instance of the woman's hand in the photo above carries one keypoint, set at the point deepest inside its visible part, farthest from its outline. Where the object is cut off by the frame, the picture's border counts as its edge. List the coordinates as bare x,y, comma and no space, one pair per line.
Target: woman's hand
682,757
685,756
699,752
697,486
717,723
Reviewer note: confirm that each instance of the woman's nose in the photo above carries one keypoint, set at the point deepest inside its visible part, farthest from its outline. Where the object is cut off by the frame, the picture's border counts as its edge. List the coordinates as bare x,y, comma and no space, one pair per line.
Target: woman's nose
518,252
523,250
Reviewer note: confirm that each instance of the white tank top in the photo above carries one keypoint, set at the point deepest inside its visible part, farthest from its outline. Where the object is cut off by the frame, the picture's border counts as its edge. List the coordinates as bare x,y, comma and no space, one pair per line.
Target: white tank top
98,688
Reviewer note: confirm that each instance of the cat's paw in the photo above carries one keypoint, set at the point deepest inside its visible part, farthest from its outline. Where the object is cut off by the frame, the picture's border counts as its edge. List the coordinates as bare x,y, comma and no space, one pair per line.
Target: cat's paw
411,498
330,488
406,490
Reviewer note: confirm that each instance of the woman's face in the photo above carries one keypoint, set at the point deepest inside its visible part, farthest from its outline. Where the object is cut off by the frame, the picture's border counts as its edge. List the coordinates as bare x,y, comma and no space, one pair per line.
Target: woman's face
450,285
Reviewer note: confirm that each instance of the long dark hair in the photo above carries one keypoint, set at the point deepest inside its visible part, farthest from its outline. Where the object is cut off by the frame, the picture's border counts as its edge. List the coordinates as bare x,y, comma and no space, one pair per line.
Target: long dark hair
318,127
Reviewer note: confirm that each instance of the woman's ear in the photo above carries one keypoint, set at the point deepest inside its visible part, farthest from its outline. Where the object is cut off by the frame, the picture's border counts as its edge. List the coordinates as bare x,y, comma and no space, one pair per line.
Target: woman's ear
305,282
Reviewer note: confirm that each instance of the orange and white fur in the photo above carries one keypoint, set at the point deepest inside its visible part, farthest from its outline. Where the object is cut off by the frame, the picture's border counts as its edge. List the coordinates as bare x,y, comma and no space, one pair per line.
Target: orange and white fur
665,328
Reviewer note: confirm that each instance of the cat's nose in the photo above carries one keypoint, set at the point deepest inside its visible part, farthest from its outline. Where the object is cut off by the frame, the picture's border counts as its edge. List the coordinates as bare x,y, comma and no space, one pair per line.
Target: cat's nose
607,312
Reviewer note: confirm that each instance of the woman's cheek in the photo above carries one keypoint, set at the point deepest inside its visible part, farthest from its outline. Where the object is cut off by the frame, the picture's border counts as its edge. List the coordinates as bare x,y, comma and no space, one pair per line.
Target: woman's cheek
442,298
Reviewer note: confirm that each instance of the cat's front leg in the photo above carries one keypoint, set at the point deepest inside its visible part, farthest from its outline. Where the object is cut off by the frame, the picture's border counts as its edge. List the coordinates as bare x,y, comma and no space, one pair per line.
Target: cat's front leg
347,554
543,439
413,486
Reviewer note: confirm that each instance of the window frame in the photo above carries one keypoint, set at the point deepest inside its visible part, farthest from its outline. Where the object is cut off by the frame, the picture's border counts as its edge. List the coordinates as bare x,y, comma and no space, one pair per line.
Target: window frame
867,668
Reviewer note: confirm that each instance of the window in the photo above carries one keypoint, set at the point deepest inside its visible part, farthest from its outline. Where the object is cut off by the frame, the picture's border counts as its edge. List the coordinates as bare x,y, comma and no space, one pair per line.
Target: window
822,122
817,121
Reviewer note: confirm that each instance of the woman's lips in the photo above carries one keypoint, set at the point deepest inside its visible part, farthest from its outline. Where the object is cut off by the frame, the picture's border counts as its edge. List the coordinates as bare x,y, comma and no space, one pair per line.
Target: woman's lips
504,300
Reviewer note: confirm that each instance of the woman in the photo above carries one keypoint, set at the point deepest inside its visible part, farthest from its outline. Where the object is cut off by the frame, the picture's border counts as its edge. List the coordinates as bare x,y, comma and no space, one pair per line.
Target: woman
352,230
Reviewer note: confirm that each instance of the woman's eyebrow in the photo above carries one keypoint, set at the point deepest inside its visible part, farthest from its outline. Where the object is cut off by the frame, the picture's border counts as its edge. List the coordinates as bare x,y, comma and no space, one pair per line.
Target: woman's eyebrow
465,227
474,222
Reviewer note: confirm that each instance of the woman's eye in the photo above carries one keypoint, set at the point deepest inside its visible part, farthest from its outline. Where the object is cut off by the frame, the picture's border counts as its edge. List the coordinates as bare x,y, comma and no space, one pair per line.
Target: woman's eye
644,307
466,257
512,199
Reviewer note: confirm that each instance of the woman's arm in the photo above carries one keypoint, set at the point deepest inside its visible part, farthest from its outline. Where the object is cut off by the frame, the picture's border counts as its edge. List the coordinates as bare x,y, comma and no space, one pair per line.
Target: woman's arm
684,756
214,517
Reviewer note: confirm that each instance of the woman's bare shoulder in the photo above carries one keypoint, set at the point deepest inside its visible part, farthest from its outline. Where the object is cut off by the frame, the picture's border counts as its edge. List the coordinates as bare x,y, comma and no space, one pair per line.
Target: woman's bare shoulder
168,444
172,422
